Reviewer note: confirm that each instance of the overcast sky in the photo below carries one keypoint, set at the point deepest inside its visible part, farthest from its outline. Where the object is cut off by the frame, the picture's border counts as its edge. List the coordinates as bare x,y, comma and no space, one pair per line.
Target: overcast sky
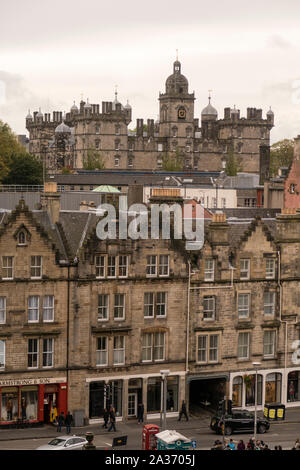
52,53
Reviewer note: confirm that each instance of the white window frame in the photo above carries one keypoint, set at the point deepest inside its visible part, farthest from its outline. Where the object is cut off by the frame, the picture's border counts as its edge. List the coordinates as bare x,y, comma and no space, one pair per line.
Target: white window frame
242,308
2,310
270,273
102,352
7,267
151,263
245,269
158,346
119,349
122,266
48,353
148,305
33,354
34,266
203,349
161,303
207,348
111,266
48,308
100,267
119,306
269,303
246,335
164,267
2,353
103,308
33,308
209,314
209,272
146,348
212,348
270,343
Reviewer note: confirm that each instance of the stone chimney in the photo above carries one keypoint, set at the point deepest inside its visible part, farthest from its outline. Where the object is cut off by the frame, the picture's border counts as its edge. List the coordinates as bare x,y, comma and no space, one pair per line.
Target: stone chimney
218,229
50,201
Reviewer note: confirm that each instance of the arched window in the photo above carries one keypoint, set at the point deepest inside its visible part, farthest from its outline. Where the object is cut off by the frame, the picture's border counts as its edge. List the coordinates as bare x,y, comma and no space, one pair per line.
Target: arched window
249,381
237,391
117,161
273,388
164,113
21,238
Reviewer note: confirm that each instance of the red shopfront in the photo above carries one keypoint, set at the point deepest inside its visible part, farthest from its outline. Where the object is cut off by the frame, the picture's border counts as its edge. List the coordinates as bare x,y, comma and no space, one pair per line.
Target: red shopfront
31,401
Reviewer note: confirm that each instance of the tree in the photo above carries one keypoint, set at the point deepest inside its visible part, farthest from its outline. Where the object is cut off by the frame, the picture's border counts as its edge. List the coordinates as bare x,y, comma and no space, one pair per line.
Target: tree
24,168
233,164
93,160
9,145
172,161
281,154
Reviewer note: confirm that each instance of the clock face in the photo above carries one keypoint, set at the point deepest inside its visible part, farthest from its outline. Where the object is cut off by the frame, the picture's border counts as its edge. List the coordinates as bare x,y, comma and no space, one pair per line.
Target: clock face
181,113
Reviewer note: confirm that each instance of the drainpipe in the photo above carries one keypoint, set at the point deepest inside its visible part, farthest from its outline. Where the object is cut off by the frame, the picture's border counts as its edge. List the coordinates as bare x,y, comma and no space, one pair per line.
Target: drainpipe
188,321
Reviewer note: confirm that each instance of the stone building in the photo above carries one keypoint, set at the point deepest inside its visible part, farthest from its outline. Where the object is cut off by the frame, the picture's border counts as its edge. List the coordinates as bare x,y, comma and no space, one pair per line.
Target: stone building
86,322
67,141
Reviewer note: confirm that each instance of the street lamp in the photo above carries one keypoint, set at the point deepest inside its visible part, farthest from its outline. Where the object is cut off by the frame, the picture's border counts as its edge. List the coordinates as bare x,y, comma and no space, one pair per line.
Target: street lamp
256,365
164,374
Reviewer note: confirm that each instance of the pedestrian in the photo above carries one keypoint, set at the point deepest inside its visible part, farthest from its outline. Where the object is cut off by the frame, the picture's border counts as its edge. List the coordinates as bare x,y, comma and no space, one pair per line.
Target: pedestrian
183,411
60,421
140,413
250,445
231,444
112,420
68,422
297,445
105,417
241,445
279,448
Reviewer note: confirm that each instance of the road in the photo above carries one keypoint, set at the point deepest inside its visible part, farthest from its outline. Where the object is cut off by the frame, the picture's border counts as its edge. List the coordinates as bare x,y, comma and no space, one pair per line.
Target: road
284,434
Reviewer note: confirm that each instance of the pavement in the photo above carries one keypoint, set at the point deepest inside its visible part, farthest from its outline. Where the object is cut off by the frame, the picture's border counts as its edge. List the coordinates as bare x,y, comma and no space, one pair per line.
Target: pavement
292,416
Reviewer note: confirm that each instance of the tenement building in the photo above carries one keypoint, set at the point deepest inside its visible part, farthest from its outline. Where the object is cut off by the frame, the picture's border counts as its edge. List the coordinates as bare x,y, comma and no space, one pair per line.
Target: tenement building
87,322
90,131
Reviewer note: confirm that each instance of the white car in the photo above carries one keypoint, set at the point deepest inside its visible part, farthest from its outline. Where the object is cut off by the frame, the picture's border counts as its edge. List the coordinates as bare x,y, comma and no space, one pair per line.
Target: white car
65,443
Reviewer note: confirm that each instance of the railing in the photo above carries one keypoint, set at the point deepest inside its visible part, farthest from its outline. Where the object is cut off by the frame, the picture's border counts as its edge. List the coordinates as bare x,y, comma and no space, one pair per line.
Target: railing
21,188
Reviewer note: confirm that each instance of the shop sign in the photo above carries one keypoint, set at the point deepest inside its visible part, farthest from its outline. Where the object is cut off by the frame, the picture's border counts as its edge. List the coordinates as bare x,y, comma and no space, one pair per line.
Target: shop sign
37,381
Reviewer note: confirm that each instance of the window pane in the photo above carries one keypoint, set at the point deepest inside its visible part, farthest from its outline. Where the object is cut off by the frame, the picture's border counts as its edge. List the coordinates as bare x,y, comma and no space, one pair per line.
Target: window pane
243,305
161,304
101,353
202,346
269,343
36,266
119,350
148,304
147,347
209,308
7,267
2,310
244,268
151,266
159,346
123,263
100,266
269,303
213,348
48,352
2,353
32,353
119,308
243,346
111,266
48,308
103,307
209,270
164,265
33,308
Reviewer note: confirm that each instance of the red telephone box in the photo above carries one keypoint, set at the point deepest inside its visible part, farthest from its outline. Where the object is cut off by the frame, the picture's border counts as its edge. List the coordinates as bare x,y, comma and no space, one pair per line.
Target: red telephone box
148,436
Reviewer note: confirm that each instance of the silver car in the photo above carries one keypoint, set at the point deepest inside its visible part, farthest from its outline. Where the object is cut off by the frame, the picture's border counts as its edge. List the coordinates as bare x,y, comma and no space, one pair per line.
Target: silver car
65,443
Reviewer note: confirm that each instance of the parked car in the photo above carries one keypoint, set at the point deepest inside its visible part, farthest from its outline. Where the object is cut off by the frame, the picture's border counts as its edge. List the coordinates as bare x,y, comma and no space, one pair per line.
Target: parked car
238,421
65,443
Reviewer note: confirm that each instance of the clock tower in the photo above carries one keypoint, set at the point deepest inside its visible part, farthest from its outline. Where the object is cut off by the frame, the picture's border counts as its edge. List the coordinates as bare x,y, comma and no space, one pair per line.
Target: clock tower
176,107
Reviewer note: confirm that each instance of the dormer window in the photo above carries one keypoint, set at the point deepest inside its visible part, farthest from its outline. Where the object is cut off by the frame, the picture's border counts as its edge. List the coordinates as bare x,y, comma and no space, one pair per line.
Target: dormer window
21,238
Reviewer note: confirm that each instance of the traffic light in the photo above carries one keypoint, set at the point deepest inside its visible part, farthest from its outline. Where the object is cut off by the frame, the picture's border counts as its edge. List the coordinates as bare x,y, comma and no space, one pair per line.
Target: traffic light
229,407
221,407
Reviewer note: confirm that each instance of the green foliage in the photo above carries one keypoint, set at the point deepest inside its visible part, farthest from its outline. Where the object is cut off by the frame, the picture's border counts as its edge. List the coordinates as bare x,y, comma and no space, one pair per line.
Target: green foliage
233,164
93,160
24,169
16,165
281,154
172,161
66,170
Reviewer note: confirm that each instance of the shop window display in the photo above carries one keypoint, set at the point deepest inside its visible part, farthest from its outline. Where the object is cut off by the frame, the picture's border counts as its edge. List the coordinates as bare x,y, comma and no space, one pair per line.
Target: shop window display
237,391
273,388
249,381
293,388
29,403
9,404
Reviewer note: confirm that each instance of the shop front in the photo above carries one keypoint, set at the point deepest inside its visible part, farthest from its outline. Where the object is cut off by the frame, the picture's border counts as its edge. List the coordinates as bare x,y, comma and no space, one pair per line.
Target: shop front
31,401
125,394
273,387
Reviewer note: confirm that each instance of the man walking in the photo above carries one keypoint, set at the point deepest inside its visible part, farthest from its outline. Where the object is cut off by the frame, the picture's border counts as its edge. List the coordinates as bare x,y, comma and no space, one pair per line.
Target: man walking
140,413
68,422
183,411
112,420
105,417
60,421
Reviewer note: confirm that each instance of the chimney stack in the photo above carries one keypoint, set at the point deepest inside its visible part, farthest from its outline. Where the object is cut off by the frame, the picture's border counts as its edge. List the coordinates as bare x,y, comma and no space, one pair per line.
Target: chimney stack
50,201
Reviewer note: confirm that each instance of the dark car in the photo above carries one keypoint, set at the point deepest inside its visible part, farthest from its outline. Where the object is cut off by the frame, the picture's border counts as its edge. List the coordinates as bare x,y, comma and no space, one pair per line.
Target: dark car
238,421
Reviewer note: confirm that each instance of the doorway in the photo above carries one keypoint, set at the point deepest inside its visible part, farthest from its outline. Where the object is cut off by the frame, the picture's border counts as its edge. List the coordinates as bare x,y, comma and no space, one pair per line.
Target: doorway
132,405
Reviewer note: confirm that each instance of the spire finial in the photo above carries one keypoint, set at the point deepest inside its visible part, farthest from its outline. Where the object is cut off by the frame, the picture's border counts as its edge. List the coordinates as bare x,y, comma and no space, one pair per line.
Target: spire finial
209,95
177,54
116,91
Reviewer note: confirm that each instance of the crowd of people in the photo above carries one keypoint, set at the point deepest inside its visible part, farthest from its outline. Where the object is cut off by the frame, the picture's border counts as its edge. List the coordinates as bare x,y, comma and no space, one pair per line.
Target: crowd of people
251,445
